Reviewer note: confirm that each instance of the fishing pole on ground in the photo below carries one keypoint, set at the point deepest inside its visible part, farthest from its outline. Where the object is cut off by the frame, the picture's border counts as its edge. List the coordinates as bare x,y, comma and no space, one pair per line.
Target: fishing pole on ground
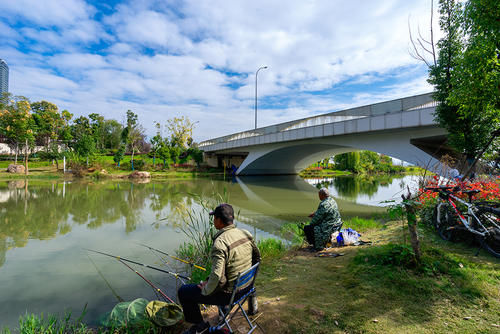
140,264
174,257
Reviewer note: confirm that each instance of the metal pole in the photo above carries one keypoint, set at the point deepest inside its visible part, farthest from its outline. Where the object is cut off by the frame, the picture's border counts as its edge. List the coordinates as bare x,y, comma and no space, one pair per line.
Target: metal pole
256,74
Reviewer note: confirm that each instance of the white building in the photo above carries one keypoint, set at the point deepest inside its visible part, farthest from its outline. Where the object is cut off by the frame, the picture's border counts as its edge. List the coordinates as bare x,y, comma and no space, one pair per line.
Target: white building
4,77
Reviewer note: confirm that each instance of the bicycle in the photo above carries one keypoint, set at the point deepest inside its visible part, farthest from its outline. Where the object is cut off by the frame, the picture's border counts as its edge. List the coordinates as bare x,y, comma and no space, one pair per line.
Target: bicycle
482,218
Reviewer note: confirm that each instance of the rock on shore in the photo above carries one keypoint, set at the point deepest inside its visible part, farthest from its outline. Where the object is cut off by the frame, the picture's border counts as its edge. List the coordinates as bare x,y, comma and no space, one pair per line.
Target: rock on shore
17,169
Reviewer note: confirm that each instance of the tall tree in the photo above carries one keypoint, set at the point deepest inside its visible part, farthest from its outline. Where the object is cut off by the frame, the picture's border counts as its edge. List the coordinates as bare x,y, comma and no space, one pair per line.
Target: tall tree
18,125
51,124
133,134
98,130
181,131
156,141
112,130
466,76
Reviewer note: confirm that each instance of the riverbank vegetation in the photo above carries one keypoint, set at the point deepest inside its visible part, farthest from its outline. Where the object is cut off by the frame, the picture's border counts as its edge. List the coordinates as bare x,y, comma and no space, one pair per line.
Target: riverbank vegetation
358,162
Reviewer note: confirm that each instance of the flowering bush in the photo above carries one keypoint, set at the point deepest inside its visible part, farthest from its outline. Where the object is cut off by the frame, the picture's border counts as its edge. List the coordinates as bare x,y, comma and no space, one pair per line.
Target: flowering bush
489,191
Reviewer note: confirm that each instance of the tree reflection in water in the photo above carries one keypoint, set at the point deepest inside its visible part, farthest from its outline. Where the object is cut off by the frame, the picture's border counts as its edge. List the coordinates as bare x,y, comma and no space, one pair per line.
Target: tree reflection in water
44,210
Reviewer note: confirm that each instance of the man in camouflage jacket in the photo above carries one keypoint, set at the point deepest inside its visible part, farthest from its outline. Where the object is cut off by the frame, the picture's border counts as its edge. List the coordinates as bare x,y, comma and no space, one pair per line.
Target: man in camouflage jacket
324,222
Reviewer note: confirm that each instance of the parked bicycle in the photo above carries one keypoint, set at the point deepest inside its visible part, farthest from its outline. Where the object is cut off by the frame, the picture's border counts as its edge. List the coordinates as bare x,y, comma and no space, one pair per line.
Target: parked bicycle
482,219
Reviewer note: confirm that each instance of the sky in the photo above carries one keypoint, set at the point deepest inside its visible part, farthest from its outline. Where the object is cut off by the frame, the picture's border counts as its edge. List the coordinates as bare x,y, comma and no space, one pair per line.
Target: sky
198,58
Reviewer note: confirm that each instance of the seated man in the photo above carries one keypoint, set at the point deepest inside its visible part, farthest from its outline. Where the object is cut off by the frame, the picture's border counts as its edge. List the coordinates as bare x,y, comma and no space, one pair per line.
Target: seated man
324,222
233,251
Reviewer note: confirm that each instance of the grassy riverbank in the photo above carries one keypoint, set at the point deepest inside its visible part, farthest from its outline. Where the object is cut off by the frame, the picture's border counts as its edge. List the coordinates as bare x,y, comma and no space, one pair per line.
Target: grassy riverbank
45,170
377,289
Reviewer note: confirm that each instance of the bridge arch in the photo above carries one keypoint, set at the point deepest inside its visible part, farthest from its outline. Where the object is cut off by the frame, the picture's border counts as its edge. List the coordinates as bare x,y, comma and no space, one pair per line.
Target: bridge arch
292,157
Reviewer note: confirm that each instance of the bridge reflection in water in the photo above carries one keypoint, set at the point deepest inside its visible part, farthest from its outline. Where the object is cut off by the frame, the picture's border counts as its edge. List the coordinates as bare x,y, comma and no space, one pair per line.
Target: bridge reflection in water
268,201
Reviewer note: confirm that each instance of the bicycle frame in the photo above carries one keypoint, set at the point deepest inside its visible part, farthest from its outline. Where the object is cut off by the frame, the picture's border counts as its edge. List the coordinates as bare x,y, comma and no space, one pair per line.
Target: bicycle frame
450,198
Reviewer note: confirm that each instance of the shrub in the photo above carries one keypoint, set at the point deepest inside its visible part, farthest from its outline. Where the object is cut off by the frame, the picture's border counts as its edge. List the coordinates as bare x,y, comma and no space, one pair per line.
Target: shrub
139,164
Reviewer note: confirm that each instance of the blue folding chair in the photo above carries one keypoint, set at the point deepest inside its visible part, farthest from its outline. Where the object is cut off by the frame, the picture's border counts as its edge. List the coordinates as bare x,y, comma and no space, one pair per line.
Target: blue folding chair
243,288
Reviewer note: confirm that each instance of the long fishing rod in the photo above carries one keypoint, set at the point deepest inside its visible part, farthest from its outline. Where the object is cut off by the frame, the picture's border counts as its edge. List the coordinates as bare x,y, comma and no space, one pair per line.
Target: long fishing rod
174,257
120,299
140,264
147,281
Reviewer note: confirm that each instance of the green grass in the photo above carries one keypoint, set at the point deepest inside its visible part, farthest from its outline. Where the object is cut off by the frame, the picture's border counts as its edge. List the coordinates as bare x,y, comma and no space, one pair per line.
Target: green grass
362,224
271,248
380,289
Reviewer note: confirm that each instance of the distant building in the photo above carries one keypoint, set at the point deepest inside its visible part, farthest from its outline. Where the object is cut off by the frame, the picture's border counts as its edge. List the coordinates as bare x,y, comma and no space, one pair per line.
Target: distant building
4,77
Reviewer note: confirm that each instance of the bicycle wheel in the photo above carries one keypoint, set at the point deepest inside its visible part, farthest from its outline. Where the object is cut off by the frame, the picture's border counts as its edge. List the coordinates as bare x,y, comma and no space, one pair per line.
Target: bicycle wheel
444,222
490,218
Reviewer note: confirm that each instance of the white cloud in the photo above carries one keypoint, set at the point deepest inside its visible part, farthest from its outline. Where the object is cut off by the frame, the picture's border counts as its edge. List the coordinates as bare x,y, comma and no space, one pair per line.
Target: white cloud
162,62
47,12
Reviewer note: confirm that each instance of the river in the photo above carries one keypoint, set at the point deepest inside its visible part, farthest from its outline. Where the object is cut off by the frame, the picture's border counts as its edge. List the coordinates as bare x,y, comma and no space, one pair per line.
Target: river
45,227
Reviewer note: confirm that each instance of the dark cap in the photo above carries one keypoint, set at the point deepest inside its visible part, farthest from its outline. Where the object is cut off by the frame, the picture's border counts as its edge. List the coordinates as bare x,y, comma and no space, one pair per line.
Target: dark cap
223,211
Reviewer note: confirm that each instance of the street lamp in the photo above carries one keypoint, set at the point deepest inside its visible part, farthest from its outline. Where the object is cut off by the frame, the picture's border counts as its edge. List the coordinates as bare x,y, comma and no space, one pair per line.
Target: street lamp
256,73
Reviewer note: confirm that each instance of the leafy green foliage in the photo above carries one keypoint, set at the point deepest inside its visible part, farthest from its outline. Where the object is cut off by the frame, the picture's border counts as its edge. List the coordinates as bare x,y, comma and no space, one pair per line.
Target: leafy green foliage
118,157
466,77
348,161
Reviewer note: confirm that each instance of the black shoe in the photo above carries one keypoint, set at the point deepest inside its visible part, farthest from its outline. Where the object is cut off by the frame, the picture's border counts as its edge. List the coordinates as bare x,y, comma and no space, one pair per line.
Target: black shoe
198,328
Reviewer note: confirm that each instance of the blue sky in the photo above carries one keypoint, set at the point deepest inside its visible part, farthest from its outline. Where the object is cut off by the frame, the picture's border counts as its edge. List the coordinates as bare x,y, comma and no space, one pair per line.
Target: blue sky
197,58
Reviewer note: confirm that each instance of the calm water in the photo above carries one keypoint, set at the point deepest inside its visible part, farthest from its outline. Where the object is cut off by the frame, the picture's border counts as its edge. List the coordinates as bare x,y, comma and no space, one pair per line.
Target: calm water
45,226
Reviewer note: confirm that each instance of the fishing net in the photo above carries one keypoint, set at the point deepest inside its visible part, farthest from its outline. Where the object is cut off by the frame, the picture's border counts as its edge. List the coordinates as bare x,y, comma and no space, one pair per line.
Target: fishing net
164,314
139,311
128,314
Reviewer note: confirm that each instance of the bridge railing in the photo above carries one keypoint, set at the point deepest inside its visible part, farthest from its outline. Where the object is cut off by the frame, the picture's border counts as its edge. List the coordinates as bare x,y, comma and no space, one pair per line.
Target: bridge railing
388,107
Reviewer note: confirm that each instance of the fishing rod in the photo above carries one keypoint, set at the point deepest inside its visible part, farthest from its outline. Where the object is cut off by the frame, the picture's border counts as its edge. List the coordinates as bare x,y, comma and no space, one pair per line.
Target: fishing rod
174,257
140,264
120,299
148,281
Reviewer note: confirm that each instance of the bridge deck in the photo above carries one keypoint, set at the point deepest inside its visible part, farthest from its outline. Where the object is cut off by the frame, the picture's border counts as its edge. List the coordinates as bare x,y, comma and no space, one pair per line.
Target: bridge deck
414,111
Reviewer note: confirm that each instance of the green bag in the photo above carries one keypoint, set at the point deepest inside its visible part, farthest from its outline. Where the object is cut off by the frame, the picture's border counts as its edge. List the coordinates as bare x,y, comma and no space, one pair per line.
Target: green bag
128,313
164,314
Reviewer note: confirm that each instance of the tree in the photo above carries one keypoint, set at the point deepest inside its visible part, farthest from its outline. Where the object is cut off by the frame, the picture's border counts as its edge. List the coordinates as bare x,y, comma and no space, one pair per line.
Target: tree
181,131
133,134
197,155
156,142
98,130
85,146
51,124
18,125
348,161
164,152
112,134
466,77
118,157
175,152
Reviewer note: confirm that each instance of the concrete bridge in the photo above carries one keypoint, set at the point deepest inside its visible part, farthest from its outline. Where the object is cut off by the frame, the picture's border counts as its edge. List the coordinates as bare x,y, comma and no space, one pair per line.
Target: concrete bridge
402,128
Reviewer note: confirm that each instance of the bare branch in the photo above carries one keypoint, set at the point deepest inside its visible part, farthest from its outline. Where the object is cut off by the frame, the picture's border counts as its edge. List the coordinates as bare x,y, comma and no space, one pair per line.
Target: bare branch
420,45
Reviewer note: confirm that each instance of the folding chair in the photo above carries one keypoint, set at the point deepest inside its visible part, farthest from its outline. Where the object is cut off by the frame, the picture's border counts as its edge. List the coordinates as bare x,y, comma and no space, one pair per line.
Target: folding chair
243,288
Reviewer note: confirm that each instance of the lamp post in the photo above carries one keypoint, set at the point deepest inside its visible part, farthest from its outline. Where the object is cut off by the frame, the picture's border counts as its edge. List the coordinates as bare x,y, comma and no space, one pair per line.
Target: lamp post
256,73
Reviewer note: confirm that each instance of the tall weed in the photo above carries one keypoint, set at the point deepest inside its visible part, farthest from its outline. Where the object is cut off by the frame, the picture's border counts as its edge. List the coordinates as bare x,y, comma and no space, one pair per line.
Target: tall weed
199,228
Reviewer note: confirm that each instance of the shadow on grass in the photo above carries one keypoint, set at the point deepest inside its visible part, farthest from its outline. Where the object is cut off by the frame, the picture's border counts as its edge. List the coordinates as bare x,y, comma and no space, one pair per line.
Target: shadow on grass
378,289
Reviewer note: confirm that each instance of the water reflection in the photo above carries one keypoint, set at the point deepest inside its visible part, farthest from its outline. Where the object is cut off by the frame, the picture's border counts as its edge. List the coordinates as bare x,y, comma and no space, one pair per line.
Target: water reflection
43,210
371,190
